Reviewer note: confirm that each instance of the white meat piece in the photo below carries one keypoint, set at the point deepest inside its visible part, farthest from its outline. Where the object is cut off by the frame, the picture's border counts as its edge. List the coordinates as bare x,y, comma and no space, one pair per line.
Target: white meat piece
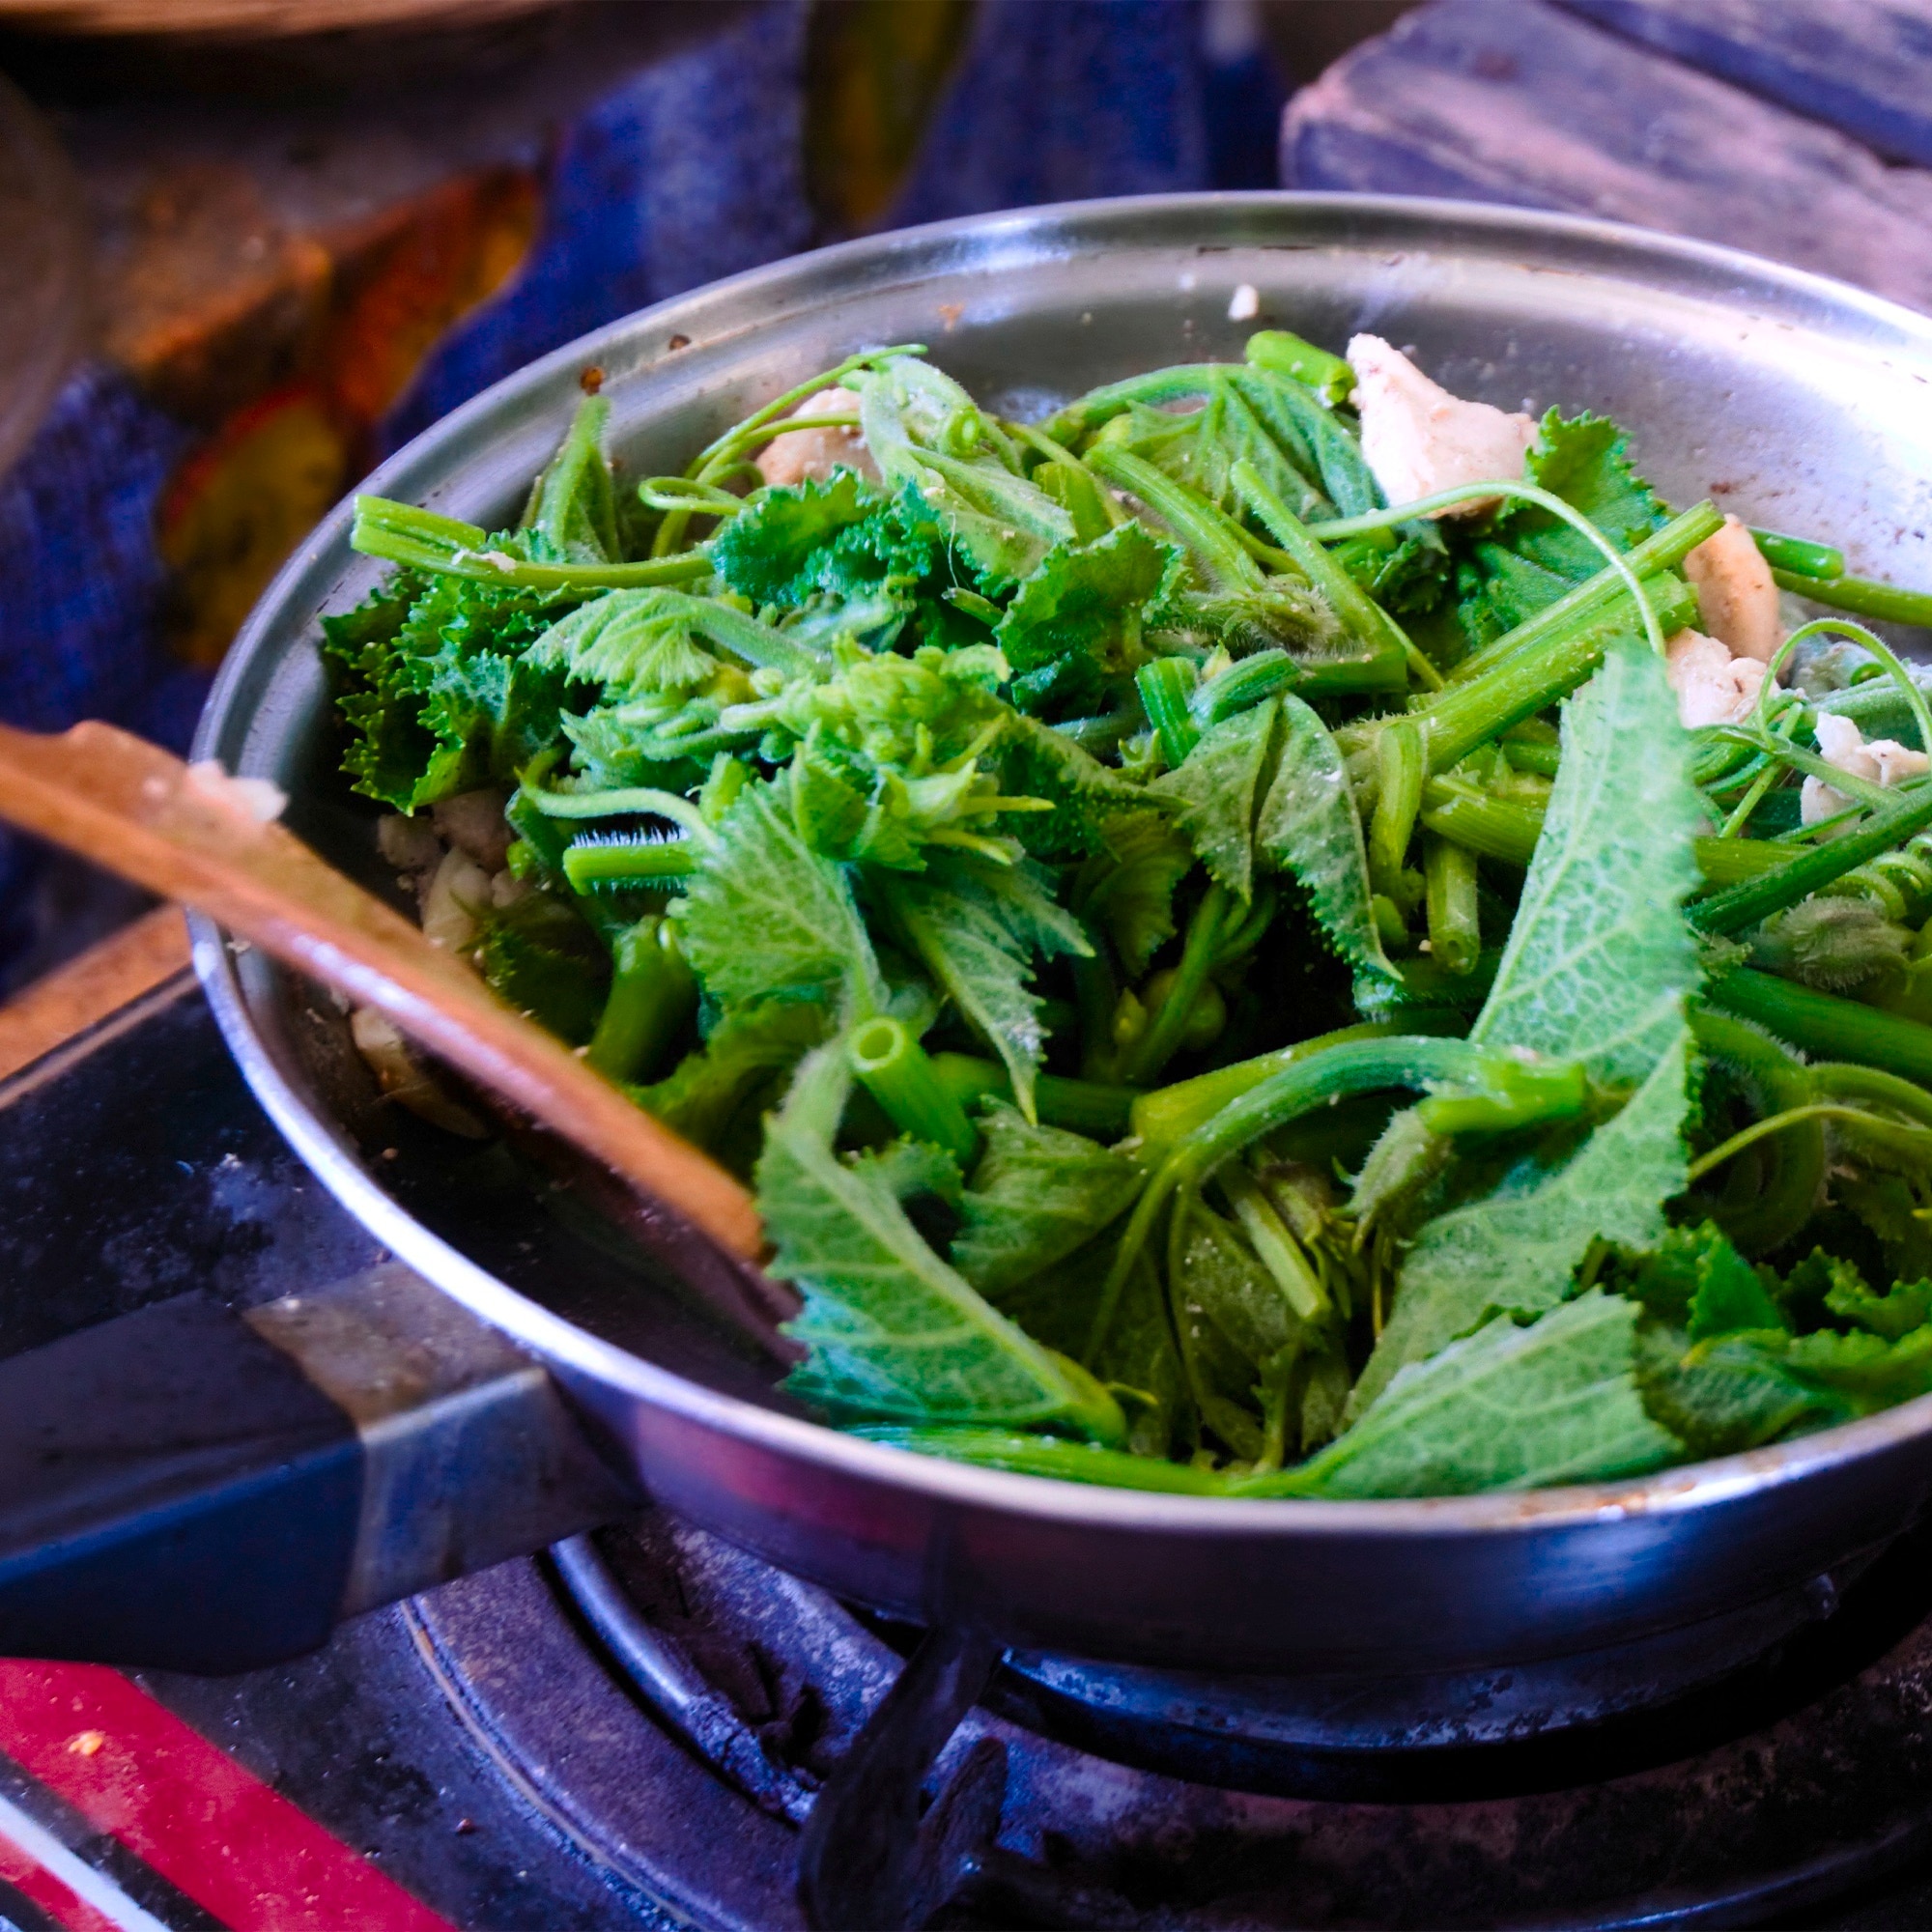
1712,686
1418,438
1736,592
454,894
409,844
474,822
404,1078
260,800
814,453
1885,761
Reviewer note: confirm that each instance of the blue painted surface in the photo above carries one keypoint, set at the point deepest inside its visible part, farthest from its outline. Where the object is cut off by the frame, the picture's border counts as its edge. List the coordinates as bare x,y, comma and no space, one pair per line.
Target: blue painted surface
1861,66
687,171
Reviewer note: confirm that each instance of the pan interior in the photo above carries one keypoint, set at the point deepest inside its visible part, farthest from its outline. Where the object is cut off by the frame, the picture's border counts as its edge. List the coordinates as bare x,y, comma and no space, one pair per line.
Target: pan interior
1797,404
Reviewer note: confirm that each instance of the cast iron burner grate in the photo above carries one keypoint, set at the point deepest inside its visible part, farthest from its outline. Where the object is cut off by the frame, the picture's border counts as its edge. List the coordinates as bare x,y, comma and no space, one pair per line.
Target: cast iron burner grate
674,1709
1073,1795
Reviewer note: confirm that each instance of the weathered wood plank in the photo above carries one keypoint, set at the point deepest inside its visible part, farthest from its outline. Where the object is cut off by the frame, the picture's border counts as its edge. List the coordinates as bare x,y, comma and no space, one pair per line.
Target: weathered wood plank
1864,66
1514,100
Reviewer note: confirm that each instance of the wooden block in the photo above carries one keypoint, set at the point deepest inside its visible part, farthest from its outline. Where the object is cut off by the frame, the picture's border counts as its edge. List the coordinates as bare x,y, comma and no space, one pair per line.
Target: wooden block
107,980
1512,100
1857,64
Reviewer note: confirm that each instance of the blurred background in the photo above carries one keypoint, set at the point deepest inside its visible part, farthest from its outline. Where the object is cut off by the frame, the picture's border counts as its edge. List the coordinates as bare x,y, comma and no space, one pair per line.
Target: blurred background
254,246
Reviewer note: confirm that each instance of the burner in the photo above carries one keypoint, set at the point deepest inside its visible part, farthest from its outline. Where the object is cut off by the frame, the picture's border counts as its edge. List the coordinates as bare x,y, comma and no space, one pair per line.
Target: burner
1109,1796
657,1710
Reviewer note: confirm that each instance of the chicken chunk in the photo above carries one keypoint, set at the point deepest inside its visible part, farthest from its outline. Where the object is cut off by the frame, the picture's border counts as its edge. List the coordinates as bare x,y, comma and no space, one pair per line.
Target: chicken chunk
404,1079
1736,592
814,453
262,800
1712,686
1885,761
1418,438
474,822
451,897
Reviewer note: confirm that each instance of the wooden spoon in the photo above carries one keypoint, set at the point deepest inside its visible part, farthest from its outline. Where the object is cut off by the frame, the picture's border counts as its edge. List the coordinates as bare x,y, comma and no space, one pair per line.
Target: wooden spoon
189,834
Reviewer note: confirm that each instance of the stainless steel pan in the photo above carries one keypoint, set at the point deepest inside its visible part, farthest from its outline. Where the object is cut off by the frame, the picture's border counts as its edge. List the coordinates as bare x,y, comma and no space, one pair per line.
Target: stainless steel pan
1802,403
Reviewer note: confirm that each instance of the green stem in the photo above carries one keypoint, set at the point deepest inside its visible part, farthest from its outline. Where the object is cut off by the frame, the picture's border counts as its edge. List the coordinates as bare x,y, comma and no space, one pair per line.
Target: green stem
422,540
1360,614
1252,681
1514,493
1839,1078
680,493
719,457
1052,1456
1465,715
1741,814
1080,1106
1397,799
1724,862
749,438
1867,791
1825,1024
1157,386
1491,827
629,800
1801,557
1317,369
1887,602
1166,686
628,862
1744,905
1507,830
1777,1123
1156,1047
724,448
1279,1252
1349,1068
1763,1210
577,472
893,1068
1598,596
1544,760
1902,679
1455,934
1207,532
653,995
1164,1117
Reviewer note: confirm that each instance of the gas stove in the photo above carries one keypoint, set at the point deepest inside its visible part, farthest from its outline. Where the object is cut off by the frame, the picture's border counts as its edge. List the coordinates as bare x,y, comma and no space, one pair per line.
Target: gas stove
646,1727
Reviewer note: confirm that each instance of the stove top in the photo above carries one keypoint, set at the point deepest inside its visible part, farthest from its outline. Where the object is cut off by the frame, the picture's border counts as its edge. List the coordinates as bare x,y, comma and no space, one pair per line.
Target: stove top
636,1728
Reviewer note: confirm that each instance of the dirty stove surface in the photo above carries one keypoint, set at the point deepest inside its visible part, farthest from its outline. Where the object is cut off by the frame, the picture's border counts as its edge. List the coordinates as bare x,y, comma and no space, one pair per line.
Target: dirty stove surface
629,1730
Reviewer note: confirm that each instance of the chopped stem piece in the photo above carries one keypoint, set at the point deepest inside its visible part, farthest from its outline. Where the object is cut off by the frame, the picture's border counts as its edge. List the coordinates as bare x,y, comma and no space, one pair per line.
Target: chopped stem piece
628,862
1889,603
1824,1023
1080,1106
1279,1252
1800,556
1907,810
1165,686
653,995
1397,799
897,1072
1455,936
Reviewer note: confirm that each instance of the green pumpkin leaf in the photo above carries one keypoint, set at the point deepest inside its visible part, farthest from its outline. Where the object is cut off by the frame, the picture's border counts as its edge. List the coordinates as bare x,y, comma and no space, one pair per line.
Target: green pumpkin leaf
1309,827
893,1331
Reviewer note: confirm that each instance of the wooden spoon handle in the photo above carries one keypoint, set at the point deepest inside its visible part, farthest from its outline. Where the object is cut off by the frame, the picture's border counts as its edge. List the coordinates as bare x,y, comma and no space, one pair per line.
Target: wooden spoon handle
187,835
